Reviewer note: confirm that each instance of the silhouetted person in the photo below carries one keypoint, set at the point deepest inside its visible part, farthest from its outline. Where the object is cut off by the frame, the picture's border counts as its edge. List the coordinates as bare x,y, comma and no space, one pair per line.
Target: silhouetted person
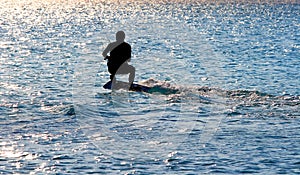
119,56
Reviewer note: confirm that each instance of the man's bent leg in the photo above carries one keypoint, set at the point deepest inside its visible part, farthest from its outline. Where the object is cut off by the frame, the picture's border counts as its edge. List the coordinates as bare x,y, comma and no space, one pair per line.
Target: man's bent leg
131,74
112,70
127,69
113,78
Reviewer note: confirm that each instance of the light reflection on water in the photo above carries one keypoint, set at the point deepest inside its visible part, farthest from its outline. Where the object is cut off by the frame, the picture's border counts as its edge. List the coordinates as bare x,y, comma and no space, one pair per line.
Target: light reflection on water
235,66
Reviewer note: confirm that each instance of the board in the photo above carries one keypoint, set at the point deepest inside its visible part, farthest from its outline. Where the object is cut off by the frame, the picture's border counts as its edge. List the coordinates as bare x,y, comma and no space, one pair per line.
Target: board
124,85
157,89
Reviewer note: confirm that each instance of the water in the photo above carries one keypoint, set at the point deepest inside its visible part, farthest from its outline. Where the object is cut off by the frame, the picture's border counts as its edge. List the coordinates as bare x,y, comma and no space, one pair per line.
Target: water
234,68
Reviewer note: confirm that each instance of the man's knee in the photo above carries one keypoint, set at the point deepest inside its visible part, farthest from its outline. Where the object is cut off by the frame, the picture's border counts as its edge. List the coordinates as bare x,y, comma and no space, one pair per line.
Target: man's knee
132,69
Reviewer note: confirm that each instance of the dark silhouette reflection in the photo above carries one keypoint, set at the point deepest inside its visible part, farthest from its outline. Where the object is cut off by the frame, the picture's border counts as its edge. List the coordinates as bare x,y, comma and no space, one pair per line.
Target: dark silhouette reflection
118,58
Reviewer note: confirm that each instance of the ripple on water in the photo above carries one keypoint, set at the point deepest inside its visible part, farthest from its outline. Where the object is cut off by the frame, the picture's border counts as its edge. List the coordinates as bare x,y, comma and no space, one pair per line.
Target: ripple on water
226,98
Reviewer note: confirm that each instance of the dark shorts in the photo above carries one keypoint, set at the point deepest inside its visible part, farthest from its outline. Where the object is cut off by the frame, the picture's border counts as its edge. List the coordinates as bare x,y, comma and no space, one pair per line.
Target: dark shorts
124,68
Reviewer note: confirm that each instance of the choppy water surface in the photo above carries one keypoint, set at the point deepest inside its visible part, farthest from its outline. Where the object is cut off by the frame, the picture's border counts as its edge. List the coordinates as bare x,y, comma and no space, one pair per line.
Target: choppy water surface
232,70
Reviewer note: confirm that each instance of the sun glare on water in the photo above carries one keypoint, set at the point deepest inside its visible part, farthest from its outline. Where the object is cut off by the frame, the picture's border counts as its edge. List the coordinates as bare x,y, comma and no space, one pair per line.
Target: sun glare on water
74,2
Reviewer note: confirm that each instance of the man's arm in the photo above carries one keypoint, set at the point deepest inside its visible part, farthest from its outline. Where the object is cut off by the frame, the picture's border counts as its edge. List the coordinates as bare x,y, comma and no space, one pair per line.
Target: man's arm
106,50
128,54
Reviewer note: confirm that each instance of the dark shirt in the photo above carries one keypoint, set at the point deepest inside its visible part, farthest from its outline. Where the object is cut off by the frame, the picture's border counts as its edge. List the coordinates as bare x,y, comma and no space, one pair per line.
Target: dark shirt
120,54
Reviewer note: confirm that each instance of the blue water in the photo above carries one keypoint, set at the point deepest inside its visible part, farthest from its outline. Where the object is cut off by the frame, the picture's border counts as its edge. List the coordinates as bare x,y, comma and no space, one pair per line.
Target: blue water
232,70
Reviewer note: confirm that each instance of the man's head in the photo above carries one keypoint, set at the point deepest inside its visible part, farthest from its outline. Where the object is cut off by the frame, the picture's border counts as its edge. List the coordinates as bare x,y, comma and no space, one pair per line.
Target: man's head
120,36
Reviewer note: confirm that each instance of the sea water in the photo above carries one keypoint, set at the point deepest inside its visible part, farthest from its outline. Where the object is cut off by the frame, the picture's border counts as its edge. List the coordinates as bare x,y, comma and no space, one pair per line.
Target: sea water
232,69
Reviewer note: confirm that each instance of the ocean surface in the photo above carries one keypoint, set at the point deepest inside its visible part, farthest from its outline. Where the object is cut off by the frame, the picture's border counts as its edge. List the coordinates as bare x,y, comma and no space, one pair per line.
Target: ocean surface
225,75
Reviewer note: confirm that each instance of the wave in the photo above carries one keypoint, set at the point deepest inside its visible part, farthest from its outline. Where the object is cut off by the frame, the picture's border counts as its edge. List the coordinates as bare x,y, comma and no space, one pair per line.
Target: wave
164,86
60,109
239,102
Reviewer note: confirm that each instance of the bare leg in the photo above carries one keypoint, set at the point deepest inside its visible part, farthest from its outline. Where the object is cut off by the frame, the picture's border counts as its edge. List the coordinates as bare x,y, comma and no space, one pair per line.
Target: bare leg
131,74
127,69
